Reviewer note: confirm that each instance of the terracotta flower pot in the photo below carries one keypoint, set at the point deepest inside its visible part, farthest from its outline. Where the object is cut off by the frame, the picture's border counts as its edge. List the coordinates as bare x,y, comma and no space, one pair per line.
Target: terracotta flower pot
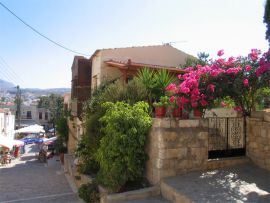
160,111
177,112
197,113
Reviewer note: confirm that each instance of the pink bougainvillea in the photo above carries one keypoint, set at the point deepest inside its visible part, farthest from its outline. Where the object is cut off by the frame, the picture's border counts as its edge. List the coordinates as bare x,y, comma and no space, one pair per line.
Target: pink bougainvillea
223,104
245,82
220,52
172,88
248,68
238,108
235,77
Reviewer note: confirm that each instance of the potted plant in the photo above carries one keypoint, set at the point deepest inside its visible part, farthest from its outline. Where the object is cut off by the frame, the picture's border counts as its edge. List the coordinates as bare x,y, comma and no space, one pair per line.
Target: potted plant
176,111
160,107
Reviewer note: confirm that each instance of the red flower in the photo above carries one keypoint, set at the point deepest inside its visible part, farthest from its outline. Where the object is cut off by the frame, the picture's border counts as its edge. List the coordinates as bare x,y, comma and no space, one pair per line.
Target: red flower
220,52
211,87
223,104
204,103
172,88
172,99
245,82
248,68
238,108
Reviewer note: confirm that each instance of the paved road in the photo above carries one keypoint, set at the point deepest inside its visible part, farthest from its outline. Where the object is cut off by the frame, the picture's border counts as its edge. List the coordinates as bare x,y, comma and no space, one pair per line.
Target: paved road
27,180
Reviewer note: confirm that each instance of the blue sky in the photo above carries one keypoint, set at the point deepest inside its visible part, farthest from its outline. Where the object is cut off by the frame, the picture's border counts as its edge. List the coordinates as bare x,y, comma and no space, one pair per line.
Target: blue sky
85,25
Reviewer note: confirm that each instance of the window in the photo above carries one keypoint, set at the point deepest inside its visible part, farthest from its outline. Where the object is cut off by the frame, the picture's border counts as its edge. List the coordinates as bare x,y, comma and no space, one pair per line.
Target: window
46,116
28,115
40,115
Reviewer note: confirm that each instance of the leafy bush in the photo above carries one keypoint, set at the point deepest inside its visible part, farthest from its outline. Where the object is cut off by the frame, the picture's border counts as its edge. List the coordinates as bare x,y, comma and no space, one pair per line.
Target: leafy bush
155,82
163,102
109,91
121,154
89,192
131,92
89,142
62,128
263,98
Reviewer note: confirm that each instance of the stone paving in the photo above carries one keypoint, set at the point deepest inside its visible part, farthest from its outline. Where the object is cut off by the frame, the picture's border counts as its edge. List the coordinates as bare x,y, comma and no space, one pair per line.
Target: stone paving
28,180
242,183
149,200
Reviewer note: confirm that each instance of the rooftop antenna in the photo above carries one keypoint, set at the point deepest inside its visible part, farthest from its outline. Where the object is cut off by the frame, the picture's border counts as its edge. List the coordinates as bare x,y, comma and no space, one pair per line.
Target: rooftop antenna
175,42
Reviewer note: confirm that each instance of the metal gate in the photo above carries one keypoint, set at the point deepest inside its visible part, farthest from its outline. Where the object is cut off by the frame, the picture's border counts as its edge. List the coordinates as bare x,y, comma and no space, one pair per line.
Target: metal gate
226,137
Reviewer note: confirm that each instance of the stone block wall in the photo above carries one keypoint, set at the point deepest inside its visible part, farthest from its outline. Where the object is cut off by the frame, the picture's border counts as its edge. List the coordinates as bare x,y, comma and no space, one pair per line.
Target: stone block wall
175,147
258,140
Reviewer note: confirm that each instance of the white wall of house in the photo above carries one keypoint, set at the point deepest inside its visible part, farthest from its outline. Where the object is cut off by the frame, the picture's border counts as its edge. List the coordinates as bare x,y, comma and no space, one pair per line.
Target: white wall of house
9,125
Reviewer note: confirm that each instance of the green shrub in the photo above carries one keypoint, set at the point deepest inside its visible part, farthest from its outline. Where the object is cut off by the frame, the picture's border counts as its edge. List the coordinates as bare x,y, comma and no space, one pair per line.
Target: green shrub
89,192
89,142
121,154
130,92
155,82
113,91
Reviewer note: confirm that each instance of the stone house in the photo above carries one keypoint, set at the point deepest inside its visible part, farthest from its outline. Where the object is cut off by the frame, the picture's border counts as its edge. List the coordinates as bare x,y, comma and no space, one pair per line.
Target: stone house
107,64
124,63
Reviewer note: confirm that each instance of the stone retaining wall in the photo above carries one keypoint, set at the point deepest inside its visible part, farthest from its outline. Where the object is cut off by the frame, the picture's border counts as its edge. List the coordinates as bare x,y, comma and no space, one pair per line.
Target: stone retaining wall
176,147
258,139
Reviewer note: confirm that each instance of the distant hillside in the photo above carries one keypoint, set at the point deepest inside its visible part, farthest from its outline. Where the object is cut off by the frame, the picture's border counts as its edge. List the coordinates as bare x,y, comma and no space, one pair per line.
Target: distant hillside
6,85
47,91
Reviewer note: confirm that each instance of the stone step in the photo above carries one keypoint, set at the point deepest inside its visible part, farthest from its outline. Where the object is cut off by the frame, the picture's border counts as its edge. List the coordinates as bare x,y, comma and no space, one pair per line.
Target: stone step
240,183
226,162
157,199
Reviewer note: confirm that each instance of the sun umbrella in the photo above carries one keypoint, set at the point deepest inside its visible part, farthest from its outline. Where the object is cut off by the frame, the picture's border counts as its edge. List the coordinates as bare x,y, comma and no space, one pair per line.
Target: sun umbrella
31,129
6,142
18,143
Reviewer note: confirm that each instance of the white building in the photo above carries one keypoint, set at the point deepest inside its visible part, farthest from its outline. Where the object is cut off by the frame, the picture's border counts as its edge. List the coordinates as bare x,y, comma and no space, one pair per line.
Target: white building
7,123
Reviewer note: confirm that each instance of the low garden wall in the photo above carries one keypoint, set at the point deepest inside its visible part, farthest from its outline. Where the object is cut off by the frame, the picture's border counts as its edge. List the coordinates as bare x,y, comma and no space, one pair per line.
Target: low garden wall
258,139
176,147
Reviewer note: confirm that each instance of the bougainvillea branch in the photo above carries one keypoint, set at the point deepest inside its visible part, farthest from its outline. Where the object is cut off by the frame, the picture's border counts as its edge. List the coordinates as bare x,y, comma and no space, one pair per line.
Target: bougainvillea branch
236,77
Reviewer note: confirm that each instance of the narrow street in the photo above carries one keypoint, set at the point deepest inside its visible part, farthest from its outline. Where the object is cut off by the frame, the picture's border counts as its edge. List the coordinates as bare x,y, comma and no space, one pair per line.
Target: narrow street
28,180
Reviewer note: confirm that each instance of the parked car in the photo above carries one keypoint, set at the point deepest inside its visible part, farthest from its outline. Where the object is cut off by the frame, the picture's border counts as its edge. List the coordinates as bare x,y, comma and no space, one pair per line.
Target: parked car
32,138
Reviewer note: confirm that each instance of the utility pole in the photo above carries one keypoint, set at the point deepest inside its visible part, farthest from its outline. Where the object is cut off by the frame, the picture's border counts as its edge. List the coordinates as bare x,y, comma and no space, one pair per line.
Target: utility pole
18,101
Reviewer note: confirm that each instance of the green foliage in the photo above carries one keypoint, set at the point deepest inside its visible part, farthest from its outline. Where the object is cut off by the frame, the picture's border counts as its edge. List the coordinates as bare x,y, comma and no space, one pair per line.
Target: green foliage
155,82
131,92
89,144
189,62
93,104
109,91
164,102
266,19
192,61
89,192
147,77
226,102
89,141
121,154
263,98
55,104
162,79
62,128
